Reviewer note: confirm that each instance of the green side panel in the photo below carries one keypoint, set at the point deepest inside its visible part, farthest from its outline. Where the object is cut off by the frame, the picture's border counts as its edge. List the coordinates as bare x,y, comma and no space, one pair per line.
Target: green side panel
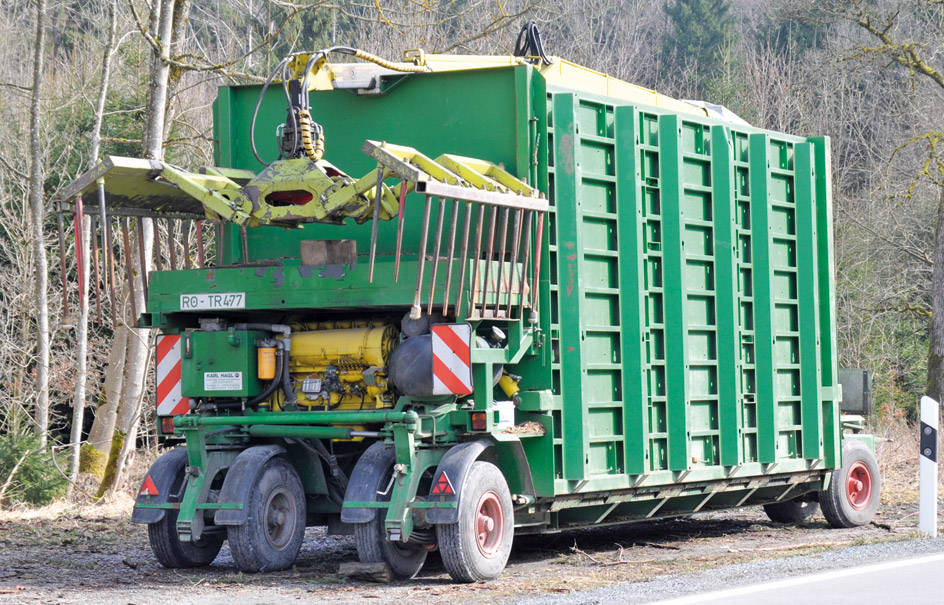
807,271
631,310
675,291
827,300
725,249
570,250
765,371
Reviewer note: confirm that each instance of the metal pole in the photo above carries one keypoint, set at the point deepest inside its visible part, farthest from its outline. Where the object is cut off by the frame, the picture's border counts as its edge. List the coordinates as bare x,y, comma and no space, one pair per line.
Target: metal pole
416,311
62,263
400,224
436,249
927,520
375,223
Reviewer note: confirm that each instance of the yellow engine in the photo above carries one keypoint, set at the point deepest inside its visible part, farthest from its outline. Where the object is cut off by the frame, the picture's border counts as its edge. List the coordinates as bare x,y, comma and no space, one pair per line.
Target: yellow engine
342,365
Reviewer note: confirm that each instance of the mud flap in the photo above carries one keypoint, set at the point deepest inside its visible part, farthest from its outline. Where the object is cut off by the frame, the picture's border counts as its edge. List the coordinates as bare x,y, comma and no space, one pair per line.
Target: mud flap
361,486
156,487
449,477
239,481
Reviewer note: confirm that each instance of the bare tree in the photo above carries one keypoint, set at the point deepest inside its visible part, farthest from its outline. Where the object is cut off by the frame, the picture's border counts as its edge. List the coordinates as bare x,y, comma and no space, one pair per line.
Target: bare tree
37,210
82,325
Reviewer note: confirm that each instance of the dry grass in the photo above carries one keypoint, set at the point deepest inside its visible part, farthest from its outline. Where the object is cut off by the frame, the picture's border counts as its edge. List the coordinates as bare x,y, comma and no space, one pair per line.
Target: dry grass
897,450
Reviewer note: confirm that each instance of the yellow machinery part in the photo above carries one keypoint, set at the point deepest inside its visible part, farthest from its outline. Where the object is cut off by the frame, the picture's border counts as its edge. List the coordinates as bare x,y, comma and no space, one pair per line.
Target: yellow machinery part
348,362
265,363
508,385
364,347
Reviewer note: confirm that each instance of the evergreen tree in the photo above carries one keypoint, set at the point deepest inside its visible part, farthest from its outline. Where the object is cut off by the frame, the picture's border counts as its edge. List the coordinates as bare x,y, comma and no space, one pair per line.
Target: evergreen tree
698,31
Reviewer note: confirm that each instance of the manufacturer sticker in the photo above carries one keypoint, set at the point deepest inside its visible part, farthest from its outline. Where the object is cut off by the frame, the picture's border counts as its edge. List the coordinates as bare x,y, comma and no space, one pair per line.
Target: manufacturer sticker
220,300
222,381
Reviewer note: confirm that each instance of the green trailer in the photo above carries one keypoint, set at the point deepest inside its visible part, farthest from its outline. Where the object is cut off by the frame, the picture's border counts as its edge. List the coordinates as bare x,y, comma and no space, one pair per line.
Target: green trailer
621,309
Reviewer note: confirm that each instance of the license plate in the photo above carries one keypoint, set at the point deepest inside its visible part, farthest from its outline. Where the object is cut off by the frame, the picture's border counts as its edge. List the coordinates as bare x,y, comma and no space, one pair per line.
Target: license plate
206,302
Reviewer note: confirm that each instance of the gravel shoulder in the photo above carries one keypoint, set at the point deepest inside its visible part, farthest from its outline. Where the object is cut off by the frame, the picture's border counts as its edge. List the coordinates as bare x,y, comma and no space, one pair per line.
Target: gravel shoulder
93,554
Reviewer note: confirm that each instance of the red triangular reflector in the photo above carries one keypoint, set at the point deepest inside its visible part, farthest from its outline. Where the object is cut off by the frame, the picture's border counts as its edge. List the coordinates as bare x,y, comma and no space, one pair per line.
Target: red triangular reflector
443,486
148,488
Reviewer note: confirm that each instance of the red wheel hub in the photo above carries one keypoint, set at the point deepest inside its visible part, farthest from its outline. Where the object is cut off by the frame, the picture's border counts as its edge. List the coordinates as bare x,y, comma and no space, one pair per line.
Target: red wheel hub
489,524
859,486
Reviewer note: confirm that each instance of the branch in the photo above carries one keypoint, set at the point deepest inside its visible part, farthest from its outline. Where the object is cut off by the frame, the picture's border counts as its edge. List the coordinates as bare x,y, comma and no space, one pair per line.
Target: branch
16,467
905,53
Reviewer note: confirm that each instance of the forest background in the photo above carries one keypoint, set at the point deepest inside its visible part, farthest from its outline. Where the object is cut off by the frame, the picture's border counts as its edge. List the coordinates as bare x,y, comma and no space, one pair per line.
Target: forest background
84,78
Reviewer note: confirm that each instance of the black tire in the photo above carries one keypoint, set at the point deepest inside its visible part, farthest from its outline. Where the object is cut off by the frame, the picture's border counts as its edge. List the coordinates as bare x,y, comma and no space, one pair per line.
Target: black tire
854,491
797,510
470,550
404,560
273,533
166,545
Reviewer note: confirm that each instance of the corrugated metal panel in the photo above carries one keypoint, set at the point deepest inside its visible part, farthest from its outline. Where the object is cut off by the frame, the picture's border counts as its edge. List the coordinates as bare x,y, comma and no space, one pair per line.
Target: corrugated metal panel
690,263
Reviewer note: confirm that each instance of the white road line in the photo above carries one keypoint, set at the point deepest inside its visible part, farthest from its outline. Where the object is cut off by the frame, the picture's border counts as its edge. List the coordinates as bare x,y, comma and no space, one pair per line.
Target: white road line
843,573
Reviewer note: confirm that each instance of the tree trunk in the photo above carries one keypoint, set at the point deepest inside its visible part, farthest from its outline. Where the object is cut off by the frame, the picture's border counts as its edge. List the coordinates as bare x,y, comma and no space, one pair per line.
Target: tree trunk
95,453
140,342
935,388
41,410
81,347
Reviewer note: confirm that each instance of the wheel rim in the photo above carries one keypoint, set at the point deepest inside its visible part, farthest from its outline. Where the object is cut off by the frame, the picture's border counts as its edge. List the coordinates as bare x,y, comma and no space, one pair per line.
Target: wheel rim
859,486
489,524
279,518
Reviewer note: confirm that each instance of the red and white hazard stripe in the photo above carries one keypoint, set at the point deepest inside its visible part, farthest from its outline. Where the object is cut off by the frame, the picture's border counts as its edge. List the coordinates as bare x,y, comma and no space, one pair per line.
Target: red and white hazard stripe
452,365
169,399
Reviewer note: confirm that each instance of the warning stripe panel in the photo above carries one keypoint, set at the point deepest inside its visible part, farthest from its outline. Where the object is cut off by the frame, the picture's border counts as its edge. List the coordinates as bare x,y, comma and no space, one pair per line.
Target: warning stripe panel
452,352
168,375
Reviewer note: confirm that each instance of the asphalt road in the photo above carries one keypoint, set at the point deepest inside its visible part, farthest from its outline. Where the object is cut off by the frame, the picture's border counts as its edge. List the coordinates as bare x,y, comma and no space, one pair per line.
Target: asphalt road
913,580
910,571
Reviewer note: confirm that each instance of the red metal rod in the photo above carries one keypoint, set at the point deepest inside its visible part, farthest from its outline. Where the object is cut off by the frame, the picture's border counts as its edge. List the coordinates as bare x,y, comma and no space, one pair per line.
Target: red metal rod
142,264
62,264
172,243
478,259
490,252
436,249
156,249
129,270
201,258
523,274
79,252
188,263
375,224
538,238
95,269
501,263
400,217
416,311
464,258
515,251
452,252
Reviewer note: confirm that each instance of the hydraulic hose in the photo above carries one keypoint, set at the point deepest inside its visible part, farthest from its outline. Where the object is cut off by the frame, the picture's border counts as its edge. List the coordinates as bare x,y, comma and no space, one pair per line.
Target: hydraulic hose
275,382
291,400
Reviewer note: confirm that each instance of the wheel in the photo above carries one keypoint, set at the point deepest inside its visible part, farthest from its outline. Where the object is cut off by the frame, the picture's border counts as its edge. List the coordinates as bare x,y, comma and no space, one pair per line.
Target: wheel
853,493
275,528
404,560
797,510
166,545
477,546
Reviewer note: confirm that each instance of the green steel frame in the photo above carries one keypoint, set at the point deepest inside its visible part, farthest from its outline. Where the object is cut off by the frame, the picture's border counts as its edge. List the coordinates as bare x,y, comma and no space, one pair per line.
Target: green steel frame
683,357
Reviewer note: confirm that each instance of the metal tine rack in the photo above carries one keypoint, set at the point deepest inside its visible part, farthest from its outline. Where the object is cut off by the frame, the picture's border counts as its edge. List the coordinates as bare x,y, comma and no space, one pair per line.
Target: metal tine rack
473,186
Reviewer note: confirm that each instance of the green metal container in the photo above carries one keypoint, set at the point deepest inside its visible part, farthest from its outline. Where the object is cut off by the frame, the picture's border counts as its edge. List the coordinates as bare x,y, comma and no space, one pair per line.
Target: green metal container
678,354
220,364
690,327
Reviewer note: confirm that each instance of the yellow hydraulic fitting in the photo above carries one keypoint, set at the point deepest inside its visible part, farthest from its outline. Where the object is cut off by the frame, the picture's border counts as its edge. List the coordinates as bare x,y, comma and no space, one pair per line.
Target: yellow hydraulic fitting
508,383
266,363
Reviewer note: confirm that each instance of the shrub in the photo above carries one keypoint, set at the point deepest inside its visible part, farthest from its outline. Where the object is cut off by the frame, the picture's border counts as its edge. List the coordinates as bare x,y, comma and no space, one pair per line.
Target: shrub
36,480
